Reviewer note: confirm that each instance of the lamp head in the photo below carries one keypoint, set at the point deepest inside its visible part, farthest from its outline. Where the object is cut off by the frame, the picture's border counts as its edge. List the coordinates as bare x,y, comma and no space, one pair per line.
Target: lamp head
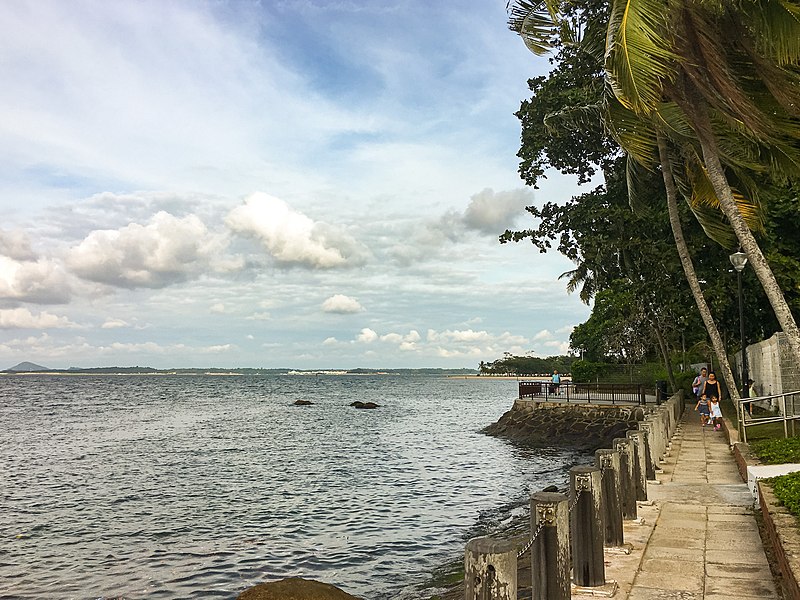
738,260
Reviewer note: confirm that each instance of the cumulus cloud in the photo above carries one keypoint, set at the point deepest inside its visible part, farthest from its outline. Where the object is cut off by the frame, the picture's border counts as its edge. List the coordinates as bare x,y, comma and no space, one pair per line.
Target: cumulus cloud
367,336
488,212
291,237
166,250
542,335
341,304
22,318
218,308
493,213
16,245
41,281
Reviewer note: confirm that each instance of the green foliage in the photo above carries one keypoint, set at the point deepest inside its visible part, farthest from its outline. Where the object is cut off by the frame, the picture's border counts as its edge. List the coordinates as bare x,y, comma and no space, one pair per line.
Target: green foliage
527,365
775,452
787,490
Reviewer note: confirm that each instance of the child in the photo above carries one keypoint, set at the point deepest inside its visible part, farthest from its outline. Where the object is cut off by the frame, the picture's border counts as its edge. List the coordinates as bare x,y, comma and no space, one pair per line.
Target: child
716,413
702,406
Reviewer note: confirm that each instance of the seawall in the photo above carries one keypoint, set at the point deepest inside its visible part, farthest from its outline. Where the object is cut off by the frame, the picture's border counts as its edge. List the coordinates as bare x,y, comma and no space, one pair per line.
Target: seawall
581,426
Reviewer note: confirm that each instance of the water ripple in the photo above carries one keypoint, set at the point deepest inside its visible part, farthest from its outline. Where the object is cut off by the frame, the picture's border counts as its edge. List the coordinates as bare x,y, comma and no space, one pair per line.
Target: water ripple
198,487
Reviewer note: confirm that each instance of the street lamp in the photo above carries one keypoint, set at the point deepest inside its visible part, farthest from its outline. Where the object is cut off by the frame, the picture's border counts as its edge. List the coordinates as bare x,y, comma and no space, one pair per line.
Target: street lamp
739,260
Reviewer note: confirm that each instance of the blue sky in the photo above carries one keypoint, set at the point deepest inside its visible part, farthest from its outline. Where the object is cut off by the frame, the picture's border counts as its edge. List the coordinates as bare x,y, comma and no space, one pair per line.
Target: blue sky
292,183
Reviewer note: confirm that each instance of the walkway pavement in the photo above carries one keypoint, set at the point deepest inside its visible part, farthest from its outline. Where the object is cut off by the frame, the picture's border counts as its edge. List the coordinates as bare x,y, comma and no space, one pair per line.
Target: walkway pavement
700,539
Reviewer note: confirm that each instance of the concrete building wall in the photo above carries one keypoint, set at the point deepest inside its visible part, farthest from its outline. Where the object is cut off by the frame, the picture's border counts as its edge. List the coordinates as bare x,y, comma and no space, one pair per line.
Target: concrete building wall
771,366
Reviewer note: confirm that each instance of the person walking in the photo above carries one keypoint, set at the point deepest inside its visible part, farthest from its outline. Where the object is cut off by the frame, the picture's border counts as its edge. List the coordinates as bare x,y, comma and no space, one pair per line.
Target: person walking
711,391
716,413
699,382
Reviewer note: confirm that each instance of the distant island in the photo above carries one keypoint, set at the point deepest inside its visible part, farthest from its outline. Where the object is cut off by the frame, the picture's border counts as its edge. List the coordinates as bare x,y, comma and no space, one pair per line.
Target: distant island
29,368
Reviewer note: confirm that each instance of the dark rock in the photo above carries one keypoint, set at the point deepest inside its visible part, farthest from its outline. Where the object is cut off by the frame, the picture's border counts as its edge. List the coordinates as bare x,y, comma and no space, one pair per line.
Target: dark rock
550,488
294,588
303,403
359,404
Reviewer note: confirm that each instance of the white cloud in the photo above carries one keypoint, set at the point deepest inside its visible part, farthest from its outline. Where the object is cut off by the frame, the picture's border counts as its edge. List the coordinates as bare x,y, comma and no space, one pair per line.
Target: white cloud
42,281
291,237
341,304
542,335
218,308
493,213
114,324
165,251
330,341
22,318
260,316
16,245
367,336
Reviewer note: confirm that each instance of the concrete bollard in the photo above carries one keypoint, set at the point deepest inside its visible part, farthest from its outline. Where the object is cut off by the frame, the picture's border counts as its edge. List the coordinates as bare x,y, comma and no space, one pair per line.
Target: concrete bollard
586,527
639,476
490,569
627,482
608,463
649,467
550,553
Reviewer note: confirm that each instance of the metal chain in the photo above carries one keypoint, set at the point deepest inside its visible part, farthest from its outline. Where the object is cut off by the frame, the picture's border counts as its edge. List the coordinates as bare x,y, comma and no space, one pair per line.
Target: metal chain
574,503
528,545
539,527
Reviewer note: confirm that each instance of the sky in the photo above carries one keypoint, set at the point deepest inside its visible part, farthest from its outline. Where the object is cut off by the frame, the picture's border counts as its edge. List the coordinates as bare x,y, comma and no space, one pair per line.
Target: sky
306,184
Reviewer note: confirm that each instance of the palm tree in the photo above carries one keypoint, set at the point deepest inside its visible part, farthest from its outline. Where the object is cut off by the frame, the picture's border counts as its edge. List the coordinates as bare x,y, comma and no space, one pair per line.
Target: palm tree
730,68
638,136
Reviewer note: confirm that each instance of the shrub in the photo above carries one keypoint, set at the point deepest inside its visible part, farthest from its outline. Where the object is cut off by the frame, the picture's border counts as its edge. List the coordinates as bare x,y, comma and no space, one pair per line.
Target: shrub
787,490
775,452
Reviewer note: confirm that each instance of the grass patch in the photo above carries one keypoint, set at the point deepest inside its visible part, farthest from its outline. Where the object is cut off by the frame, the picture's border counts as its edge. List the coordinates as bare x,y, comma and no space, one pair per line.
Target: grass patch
787,490
777,451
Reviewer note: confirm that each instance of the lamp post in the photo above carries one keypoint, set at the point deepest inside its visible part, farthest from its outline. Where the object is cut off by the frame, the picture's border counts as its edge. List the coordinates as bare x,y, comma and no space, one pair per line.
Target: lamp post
739,260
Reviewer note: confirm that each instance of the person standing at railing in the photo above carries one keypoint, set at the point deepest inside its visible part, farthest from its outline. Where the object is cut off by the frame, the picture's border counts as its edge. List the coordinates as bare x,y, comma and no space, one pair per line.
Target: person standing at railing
556,379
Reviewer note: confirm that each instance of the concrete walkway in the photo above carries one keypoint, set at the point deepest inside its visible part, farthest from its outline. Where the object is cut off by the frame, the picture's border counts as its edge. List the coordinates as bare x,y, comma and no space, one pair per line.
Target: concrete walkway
701,541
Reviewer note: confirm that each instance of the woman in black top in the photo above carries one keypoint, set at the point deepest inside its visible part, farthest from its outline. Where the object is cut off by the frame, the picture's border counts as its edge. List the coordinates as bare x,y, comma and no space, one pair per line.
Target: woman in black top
711,387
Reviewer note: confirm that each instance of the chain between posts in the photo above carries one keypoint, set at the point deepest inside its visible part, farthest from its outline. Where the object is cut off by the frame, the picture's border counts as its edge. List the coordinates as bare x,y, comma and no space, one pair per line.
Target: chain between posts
528,545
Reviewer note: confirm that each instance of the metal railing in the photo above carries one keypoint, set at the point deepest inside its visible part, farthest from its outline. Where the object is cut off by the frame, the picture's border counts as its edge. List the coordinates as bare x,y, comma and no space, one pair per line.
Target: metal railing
600,393
788,406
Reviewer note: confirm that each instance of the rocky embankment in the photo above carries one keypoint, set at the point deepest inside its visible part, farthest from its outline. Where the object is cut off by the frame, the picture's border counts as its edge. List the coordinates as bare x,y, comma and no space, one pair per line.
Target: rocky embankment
581,427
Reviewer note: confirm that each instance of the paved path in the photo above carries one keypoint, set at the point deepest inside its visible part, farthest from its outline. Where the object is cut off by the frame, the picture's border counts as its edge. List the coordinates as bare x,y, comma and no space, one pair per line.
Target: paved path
702,541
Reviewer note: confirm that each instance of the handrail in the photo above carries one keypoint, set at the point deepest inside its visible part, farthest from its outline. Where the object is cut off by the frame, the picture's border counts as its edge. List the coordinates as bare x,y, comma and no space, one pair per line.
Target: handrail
749,421
601,393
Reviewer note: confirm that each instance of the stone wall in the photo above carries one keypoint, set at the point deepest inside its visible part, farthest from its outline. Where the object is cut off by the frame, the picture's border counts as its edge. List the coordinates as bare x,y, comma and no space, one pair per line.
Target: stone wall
580,426
771,366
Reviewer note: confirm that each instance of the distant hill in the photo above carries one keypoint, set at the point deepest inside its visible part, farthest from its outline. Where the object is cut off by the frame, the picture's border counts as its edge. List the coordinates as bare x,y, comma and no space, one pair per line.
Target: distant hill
27,366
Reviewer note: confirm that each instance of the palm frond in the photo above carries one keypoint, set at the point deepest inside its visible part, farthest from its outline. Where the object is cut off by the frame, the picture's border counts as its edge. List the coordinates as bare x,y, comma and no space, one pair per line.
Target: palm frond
636,135
638,56
776,24
634,179
574,119
537,23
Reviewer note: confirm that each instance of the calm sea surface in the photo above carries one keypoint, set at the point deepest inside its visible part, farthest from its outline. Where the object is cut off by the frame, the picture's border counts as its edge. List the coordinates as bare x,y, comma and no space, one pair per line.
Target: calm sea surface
198,487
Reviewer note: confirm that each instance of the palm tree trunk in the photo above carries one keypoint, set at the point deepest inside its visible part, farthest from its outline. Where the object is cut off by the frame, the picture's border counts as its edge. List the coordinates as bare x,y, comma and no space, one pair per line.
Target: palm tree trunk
664,351
722,189
688,268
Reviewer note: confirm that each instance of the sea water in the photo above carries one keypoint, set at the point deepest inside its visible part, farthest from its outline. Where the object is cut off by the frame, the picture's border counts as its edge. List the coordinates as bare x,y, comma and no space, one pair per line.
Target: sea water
174,486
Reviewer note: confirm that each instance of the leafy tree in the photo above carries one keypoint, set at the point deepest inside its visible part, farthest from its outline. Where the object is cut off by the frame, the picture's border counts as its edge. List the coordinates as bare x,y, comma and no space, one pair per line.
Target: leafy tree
643,122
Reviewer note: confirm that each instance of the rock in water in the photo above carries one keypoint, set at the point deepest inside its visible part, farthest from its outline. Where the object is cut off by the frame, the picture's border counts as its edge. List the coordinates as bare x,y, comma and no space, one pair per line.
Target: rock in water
359,404
294,588
303,403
